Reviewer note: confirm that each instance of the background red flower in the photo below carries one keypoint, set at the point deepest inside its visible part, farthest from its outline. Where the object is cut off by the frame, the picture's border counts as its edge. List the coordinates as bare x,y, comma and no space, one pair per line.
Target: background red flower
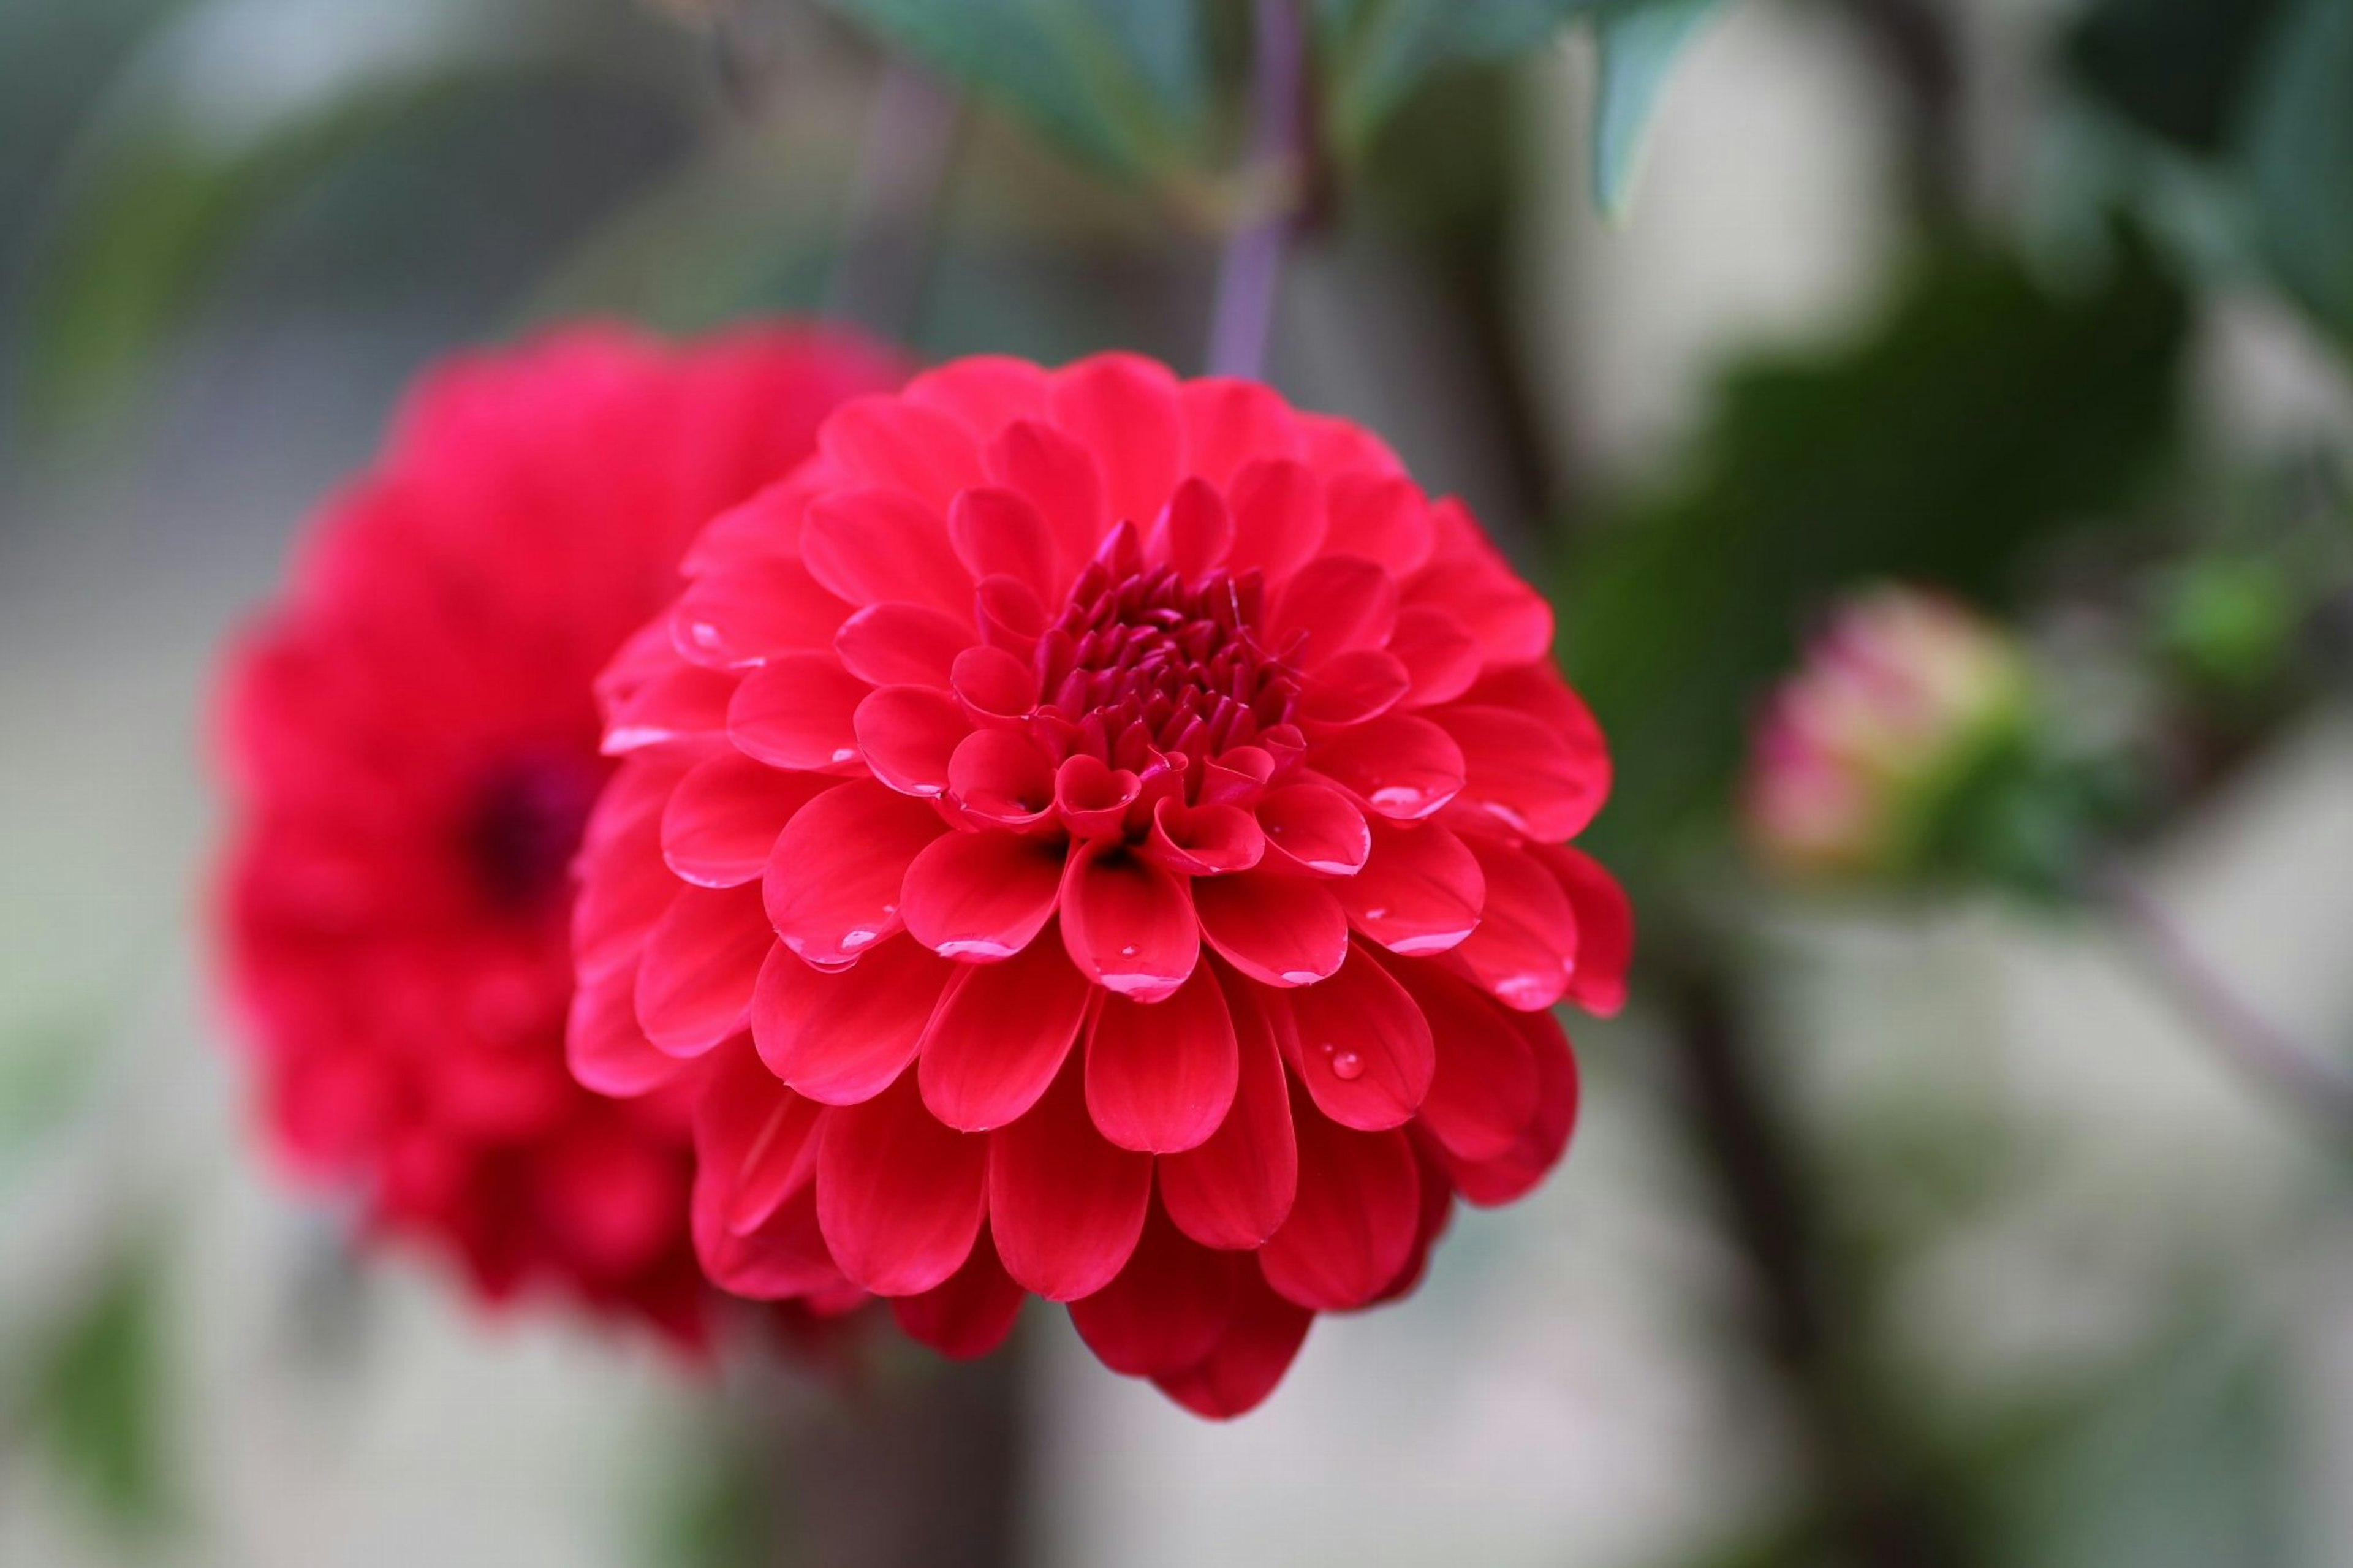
411,748
1101,836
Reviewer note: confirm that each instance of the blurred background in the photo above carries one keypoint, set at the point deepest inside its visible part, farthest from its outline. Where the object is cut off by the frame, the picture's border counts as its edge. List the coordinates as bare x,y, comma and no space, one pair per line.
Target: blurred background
1976,1194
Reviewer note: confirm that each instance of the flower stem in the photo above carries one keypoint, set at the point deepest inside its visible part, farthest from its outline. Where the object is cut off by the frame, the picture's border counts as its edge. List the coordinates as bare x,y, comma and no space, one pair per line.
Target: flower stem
2261,1049
1251,265
878,274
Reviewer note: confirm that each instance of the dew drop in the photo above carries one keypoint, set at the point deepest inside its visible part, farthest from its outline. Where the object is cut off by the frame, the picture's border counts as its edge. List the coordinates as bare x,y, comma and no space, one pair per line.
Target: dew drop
1327,1047
1347,1066
1127,952
1377,914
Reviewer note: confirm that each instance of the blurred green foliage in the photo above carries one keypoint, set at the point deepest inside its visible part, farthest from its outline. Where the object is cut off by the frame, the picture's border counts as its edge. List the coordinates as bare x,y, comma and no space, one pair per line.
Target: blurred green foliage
1982,412
95,1398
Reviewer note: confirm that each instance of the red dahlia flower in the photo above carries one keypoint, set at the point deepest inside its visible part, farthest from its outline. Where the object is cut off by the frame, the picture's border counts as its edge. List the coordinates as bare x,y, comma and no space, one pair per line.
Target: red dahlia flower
1108,832
412,745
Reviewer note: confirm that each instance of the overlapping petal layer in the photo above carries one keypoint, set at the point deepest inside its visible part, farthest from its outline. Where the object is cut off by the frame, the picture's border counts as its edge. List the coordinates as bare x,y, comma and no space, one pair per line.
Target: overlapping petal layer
413,748
1163,866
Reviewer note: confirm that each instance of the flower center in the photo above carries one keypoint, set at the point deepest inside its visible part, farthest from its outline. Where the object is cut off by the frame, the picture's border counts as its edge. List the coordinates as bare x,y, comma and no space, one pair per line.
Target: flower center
1146,661
524,827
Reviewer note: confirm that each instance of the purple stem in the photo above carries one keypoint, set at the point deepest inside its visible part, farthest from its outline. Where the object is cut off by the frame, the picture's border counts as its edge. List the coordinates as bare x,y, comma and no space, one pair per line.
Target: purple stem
878,275
1251,266
2261,1050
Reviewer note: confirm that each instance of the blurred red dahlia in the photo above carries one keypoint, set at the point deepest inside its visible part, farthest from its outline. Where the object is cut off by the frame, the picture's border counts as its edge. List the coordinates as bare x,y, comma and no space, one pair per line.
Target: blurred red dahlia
1104,835
411,743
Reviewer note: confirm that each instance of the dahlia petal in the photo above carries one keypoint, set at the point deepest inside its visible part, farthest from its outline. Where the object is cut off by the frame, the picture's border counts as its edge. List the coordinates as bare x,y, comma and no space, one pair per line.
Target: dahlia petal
1160,1078
1167,1310
1357,1042
754,1144
1352,1226
1350,687
902,645
1128,924
994,684
907,735
1335,445
833,883
1091,798
795,711
1235,1189
1384,518
1008,614
1125,409
1440,658
767,525
1067,1206
1605,927
1402,767
1279,518
785,1258
1420,892
1436,1212
1060,478
998,532
889,440
1526,945
981,896
984,393
1510,620
1336,604
840,1037
628,886
1263,1334
1484,1094
968,1314
722,819
1002,776
1230,419
606,1046
1535,780
745,615
1203,840
1194,530
1510,1176
877,546
900,1198
682,704
999,1036
1317,828
694,983
1278,930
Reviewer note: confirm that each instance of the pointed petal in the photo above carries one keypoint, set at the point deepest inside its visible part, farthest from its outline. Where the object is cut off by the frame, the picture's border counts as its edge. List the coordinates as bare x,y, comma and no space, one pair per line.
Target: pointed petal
721,823
1420,892
900,1198
795,711
1235,1189
1470,582
694,983
1128,924
843,1035
1278,930
1125,409
968,1314
1526,945
1357,1042
833,884
1263,1334
1484,1094
1193,531
1161,1077
1353,1226
999,1034
1167,1309
1605,927
1067,1206
1402,767
981,896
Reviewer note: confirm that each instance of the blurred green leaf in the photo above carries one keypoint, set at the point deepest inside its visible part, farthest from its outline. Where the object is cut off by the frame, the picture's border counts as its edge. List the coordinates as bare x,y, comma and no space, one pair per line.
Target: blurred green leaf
94,1401
2178,68
1641,41
1124,82
1378,51
1982,412
2299,155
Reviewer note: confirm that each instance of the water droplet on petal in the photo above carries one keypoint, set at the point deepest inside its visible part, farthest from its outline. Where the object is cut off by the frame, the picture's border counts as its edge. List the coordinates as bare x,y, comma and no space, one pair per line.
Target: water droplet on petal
1128,952
1347,1066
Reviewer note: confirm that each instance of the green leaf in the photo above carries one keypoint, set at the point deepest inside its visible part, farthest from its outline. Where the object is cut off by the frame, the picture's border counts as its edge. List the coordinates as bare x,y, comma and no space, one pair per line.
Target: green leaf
1124,82
2299,155
1377,52
1982,413
1640,40
95,1398
2181,70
